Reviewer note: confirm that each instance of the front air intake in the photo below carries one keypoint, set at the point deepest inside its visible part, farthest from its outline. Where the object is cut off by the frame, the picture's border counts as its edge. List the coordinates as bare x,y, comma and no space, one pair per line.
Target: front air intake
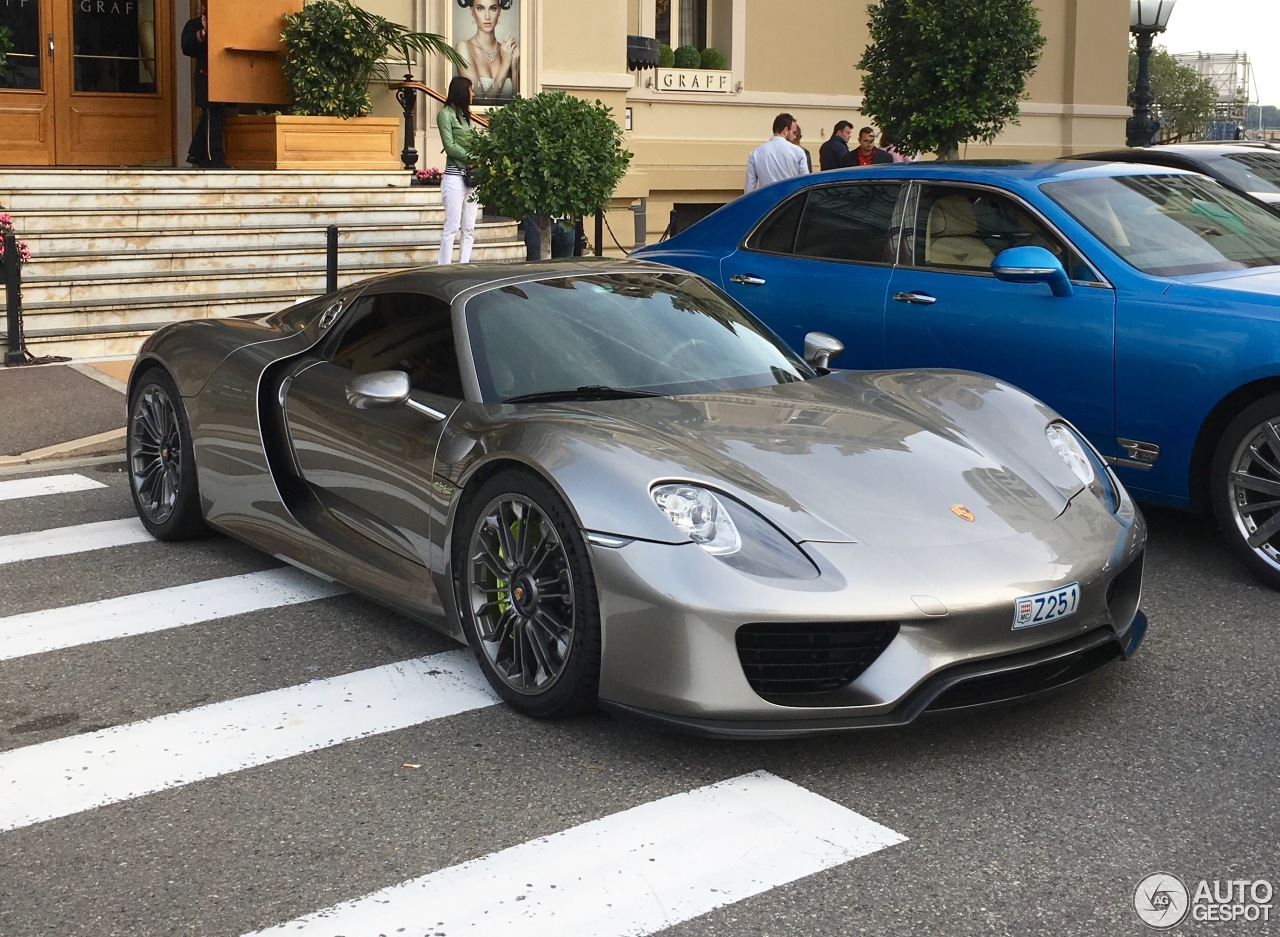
788,659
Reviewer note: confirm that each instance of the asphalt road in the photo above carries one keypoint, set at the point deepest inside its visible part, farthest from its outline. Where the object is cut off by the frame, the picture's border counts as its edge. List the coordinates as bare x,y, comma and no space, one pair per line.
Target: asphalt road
1036,819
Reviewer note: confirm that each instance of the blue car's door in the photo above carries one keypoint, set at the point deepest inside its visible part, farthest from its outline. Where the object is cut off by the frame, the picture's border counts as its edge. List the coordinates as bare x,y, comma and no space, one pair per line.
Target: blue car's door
821,261
946,309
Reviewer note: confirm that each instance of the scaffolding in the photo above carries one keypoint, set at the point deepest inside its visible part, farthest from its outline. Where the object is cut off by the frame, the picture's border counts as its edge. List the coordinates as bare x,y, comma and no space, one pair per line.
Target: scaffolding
1230,74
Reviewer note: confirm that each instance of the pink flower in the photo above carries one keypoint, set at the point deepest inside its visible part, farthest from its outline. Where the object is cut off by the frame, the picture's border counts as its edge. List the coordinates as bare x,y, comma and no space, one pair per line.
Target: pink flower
6,228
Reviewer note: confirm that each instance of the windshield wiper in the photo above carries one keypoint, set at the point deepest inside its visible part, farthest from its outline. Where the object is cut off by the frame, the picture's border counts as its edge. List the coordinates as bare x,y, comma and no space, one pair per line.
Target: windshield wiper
586,392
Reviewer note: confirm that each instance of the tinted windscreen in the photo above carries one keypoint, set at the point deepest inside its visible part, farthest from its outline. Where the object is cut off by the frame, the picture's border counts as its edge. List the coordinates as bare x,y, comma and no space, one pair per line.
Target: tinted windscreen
1172,225
666,333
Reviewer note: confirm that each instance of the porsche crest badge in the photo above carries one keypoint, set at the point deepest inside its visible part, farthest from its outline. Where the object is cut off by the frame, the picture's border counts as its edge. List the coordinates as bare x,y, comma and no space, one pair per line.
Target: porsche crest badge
962,512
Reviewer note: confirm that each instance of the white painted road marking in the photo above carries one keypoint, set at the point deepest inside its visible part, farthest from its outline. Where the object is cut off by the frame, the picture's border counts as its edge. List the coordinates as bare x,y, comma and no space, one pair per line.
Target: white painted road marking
633,872
80,538
52,629
45,485
69,775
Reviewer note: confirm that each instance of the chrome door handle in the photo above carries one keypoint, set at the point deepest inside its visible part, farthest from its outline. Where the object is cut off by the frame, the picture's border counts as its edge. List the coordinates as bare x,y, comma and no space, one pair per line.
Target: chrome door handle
330,315
916,299
747,279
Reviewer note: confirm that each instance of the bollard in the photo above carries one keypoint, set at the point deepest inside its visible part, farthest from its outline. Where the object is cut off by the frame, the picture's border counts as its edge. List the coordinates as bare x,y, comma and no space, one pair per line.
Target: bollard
408,97
600,233
331,260
14,353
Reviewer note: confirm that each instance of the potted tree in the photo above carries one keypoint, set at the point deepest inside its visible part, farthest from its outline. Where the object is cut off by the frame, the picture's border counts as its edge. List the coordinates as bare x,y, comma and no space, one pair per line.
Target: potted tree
332,51
550,155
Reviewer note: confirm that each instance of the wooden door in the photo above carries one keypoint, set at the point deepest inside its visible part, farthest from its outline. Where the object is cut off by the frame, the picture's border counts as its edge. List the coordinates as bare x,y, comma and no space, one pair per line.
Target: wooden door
89,83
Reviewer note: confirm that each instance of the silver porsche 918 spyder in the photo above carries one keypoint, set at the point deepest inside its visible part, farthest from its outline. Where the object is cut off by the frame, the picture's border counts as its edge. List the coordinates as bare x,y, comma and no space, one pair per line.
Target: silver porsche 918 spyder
620,489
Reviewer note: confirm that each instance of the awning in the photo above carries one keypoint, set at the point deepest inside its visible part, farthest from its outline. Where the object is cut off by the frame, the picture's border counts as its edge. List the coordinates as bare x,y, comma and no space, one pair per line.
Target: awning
642,52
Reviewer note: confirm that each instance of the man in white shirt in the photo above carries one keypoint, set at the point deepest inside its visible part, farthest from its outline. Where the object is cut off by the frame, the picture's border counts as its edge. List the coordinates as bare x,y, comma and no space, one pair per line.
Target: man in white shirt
778,157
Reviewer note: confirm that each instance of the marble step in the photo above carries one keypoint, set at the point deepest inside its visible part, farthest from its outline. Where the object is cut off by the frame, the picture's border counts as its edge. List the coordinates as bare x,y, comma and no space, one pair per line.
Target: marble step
118,180
30,208
302,250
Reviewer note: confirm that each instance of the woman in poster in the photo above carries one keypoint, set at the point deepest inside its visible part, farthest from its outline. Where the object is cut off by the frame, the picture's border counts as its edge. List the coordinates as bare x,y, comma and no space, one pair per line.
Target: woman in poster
492,52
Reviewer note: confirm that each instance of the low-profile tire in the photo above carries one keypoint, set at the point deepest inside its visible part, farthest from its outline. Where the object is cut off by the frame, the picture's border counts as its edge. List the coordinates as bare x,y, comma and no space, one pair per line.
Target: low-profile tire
527,596
162,469
1245,481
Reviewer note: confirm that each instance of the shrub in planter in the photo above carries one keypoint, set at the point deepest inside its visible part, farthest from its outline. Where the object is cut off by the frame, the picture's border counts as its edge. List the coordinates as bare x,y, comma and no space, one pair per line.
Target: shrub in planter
688,57
714,59
666,56
6,227
6,44
333,49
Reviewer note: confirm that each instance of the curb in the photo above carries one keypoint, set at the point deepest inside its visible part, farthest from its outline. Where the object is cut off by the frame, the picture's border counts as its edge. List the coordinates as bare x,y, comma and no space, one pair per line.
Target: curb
108,443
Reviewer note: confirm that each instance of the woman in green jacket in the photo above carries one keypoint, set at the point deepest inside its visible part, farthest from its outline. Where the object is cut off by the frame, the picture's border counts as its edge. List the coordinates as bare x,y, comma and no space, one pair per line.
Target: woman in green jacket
460,205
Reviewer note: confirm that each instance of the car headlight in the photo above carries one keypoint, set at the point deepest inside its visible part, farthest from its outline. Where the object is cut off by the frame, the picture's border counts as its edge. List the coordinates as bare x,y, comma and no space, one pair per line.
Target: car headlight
732,532
1086,464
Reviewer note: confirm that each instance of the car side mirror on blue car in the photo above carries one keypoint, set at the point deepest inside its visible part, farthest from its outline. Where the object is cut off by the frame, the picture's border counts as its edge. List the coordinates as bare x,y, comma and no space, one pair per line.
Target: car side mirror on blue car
1032,265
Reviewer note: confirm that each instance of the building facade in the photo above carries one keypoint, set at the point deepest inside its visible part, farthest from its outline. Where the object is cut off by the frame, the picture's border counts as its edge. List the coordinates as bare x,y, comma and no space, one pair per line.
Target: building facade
103,82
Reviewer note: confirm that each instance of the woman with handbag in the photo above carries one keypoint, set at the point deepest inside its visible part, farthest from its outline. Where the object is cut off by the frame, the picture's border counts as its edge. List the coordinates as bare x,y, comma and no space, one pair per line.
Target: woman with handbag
460,205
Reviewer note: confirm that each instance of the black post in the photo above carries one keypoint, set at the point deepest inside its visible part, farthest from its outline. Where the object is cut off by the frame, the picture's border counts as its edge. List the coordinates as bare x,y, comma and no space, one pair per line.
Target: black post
600,233
1141,127
408,98
331,260
14,353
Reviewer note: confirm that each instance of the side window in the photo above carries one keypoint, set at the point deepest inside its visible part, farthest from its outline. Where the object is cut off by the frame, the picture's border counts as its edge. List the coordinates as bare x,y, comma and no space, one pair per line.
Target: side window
849,222
777,233
409,332
963,229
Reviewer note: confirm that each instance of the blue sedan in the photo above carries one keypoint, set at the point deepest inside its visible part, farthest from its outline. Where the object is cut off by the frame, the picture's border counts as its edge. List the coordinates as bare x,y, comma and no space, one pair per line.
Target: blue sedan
1142,303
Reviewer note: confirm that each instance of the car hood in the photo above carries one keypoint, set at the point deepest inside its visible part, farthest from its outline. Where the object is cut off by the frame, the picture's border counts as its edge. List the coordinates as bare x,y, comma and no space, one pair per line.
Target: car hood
889,458
1264,282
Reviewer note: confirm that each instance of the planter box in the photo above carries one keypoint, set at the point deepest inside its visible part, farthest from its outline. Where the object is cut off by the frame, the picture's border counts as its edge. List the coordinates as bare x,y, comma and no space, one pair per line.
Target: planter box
279,141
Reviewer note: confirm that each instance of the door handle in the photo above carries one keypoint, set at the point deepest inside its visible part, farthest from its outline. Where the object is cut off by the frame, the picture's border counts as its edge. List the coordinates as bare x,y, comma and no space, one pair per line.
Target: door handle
916,299
50,45
747,279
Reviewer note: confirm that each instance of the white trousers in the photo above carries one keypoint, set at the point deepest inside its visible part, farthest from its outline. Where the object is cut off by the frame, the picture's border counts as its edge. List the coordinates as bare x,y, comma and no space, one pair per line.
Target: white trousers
459,214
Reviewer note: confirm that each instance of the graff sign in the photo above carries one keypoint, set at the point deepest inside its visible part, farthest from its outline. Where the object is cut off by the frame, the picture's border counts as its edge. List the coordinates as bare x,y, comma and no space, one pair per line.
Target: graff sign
694,79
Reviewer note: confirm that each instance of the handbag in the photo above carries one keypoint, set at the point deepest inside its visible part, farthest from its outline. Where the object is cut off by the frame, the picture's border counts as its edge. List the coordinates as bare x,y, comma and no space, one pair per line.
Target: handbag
466,178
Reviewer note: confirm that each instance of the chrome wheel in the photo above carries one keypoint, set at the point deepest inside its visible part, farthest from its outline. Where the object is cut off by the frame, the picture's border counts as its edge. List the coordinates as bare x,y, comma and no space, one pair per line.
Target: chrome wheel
155,453
519,589
1253,496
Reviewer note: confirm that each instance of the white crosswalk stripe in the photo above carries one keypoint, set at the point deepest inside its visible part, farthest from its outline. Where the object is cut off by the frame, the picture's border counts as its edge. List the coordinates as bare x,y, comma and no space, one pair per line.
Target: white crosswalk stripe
632,872
144,612
66,776
80,538
45,485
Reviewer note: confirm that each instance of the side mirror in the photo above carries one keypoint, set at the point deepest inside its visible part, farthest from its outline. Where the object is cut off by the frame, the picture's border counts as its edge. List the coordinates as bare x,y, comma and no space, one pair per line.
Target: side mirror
378,390
1032,265
820,348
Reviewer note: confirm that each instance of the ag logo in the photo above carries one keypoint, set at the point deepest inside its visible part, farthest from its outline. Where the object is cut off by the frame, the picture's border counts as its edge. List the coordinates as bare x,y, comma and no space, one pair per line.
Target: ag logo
962,512
1161,900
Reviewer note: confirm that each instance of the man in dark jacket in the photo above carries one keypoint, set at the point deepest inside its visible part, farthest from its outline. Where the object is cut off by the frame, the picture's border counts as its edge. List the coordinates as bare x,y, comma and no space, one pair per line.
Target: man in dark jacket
867,153
833,153
206,143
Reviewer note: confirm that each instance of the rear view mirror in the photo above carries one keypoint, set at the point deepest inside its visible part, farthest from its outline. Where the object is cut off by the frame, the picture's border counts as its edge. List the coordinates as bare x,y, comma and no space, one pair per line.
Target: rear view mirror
1032,265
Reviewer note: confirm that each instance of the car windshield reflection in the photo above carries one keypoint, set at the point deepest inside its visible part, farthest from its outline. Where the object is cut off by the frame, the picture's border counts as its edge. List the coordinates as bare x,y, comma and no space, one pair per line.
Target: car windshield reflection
625,333
1169,225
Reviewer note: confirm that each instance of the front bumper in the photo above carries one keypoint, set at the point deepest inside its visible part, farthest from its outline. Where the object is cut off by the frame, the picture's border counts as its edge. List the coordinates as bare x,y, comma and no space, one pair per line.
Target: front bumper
670,617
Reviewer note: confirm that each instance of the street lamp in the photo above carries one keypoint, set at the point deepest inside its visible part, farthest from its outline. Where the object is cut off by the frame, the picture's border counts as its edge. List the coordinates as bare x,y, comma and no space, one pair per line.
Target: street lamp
1146,18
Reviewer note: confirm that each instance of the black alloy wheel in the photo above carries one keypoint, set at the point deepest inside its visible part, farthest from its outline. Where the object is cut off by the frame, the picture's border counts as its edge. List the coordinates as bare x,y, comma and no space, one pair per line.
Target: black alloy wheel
1246,488
527,596
162,475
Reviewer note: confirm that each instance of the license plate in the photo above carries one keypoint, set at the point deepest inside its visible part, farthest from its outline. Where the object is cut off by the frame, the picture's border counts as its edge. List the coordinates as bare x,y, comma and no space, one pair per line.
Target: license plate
1032,610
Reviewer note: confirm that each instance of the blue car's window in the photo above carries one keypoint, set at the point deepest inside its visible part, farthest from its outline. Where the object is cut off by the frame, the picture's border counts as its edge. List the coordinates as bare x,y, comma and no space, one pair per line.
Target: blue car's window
1172,225
663,333
777,233
963,229
1253,172
848,222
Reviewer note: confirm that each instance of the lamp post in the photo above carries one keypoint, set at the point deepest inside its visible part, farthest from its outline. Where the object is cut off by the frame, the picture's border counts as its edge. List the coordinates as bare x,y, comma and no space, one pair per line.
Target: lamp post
1146,18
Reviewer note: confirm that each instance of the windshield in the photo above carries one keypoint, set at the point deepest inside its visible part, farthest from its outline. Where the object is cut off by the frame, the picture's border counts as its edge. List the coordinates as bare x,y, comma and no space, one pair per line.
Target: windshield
664,333
1172,225
1254,172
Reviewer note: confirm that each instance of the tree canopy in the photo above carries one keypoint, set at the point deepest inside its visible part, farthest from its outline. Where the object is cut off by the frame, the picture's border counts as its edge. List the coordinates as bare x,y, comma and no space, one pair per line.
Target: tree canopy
550,154
1184,101
938,73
